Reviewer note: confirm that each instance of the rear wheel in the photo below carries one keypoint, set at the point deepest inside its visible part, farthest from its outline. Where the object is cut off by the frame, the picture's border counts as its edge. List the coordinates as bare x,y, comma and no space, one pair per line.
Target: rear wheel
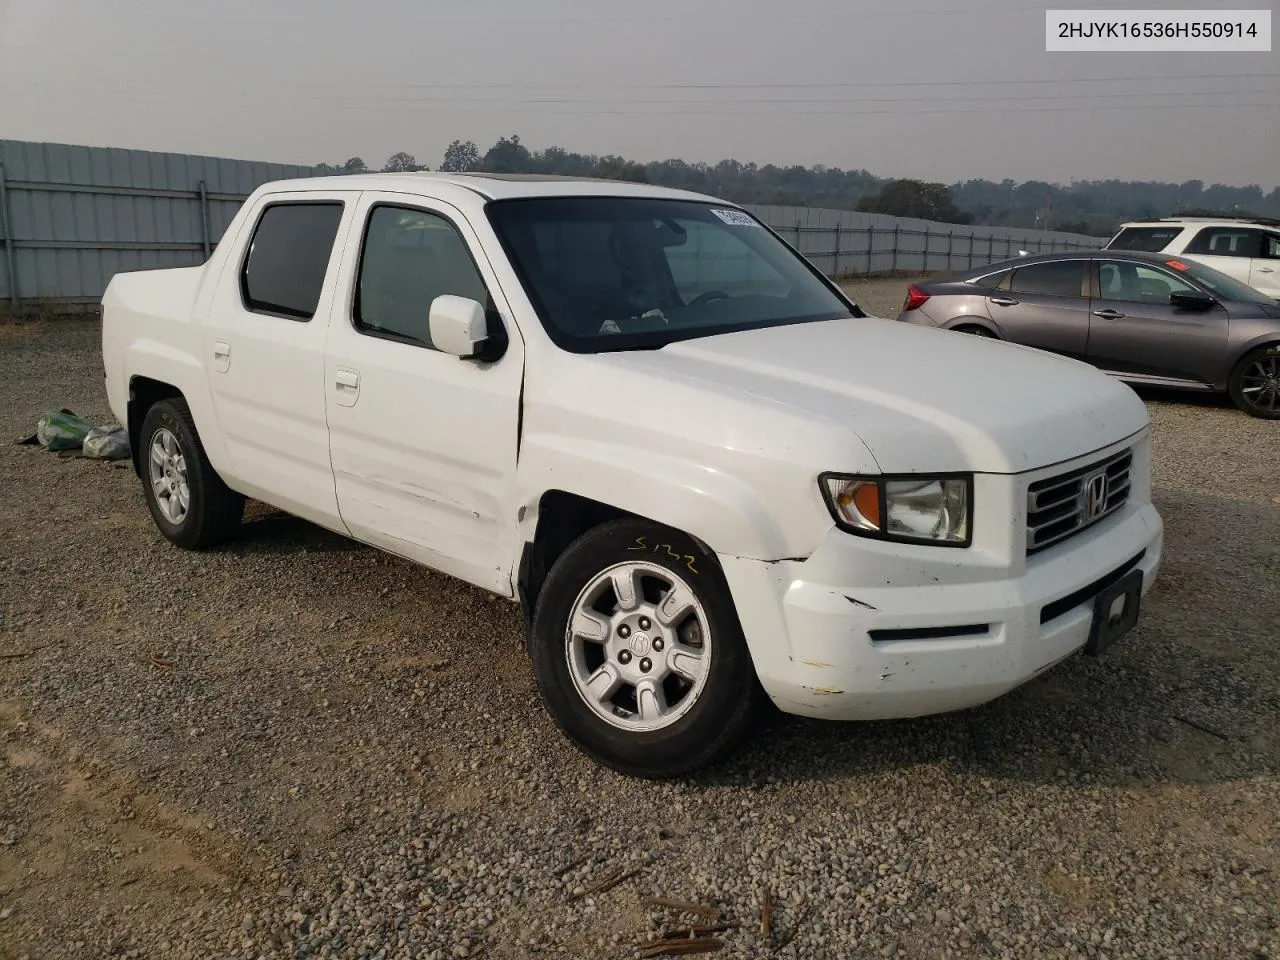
975,330
638,653
1255,383
188,500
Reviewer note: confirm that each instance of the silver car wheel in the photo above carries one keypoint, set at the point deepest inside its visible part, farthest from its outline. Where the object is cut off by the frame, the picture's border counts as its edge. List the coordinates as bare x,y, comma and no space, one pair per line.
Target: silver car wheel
1260,384
168,474
638,646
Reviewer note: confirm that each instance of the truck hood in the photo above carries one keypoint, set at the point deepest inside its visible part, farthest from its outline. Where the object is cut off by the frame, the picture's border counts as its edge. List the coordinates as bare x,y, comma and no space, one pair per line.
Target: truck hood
920,399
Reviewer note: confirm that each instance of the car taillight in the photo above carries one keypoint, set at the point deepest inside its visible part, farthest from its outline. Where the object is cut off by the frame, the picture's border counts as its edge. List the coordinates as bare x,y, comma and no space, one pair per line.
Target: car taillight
915,298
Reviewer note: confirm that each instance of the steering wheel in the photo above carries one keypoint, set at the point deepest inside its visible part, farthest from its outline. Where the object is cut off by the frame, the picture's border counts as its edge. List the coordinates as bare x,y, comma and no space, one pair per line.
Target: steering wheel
707,296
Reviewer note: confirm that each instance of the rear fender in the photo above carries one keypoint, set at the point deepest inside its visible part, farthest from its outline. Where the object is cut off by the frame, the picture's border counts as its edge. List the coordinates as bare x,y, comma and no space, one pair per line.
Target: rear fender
172,365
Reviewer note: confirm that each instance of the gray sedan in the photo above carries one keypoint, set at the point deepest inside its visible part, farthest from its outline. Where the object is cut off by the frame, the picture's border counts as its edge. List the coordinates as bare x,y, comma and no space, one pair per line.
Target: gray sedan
1141,317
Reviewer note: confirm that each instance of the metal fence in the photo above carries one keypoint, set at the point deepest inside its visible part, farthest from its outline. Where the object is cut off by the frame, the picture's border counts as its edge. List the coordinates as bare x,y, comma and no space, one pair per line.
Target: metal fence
72,216
843,243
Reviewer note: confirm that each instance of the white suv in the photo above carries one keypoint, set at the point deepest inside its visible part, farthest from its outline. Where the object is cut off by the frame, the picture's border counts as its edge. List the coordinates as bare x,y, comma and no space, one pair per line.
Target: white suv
1248,250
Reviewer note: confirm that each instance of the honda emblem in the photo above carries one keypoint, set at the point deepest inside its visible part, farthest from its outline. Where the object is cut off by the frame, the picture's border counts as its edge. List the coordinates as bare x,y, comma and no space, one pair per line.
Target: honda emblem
1093,497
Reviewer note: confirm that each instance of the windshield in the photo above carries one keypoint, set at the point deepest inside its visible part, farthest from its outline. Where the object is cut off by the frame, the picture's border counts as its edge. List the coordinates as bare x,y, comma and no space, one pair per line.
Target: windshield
1218,283
620,273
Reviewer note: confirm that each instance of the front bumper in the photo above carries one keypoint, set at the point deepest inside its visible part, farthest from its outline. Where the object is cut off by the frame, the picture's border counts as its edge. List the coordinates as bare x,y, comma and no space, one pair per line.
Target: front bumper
863,630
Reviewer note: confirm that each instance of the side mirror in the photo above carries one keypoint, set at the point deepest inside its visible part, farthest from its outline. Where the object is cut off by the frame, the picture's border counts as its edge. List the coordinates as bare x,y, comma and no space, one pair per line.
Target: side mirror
457,326
1191,300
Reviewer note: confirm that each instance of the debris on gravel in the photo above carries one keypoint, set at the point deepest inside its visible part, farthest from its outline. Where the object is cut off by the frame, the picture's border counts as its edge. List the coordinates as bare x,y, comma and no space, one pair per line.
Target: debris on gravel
293,746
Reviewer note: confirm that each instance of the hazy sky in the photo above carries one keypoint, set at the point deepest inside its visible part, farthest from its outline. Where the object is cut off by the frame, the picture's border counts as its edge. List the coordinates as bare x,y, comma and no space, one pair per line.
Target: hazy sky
912,88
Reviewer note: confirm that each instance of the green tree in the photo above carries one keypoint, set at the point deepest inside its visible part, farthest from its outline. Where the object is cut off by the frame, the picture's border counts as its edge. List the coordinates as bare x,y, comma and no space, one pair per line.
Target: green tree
401,163
915,198
460,157
508,155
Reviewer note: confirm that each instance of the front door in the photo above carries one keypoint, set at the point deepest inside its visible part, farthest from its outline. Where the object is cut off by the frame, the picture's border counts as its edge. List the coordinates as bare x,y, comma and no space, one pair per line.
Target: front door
1134,329
423,443
264,343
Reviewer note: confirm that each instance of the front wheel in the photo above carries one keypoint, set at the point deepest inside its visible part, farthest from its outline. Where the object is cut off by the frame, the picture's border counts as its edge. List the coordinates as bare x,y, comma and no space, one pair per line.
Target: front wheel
638,654
1255,383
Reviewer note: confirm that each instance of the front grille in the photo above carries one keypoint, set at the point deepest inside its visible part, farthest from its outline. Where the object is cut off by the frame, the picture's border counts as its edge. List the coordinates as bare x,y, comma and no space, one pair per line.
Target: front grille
1059,507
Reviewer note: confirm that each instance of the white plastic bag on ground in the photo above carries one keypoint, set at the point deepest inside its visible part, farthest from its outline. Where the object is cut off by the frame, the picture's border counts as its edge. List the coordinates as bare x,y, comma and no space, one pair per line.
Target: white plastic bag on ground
107,443
61,430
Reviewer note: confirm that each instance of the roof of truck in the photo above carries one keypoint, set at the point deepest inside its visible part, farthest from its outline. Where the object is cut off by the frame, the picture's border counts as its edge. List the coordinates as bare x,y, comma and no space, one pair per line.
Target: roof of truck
493,186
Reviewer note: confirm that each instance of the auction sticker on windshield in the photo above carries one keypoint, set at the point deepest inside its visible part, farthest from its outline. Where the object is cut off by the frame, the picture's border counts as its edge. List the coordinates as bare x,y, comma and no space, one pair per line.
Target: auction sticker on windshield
736,218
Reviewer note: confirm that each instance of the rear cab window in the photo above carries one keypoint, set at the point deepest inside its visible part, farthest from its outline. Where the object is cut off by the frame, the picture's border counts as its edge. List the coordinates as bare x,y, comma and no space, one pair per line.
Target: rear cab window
1146,239
288,257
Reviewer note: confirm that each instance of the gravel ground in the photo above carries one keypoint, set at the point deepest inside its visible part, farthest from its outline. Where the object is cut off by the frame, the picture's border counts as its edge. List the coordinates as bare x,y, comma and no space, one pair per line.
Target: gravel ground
298,747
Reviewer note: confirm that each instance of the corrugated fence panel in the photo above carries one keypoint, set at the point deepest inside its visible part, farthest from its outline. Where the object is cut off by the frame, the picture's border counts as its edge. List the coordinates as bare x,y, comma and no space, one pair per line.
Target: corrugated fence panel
78,215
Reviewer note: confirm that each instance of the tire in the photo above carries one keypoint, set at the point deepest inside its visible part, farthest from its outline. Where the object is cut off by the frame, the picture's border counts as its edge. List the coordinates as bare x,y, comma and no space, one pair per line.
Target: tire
173,463
710,703
975,330
1255,383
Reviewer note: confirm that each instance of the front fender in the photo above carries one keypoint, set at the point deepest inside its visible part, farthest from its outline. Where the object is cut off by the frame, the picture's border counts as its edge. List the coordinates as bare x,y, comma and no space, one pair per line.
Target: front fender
722,510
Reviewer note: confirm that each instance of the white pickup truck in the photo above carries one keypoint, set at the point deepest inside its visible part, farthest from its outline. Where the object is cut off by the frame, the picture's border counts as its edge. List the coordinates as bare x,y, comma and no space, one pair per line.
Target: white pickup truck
708,477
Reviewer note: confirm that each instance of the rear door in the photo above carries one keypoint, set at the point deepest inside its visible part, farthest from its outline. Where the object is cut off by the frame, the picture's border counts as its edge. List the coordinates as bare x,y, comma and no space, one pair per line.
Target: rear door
423,443
1134,329
1231,250
1264,271
1044,305
264,343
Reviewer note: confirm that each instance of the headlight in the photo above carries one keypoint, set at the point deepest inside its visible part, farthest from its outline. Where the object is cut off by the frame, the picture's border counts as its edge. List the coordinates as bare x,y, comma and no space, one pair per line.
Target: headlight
913,509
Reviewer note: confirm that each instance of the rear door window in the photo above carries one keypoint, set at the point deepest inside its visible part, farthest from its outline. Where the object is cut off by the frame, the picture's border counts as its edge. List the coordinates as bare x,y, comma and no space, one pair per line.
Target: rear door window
1148,239
288,258
1228,242
1057,278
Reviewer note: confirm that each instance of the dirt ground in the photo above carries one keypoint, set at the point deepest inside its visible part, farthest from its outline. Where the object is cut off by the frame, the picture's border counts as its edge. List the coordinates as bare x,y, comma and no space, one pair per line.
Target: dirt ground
295,746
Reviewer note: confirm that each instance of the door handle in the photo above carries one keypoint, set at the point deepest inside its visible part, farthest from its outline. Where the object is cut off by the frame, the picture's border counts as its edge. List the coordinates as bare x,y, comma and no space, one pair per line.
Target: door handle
347,382
1109,314
221,355
1004,301
1265,270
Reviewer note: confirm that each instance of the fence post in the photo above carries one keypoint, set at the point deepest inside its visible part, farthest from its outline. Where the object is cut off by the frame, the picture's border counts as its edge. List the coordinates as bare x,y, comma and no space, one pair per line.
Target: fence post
893,263
871,242
797,235
6,234
835,270
204,219
951,242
